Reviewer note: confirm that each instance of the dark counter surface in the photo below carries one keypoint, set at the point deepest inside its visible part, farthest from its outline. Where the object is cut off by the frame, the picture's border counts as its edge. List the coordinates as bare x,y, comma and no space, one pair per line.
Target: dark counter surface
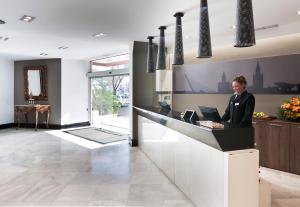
227,139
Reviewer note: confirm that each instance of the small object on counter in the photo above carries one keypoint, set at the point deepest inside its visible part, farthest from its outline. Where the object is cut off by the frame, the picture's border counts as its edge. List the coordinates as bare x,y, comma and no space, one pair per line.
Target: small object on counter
181,115
263,116
211,124
260,114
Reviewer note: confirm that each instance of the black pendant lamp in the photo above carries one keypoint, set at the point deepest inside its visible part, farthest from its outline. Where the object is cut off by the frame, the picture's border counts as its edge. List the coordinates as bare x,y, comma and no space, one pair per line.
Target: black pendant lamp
150,57
245,35
178,49
204,50
161,56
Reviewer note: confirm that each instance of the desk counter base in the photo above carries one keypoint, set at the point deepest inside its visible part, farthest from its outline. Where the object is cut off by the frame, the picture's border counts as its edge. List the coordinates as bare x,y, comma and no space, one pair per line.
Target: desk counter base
209,177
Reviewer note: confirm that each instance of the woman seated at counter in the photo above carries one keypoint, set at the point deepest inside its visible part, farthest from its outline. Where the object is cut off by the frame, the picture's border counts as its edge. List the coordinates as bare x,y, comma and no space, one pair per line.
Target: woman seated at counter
241,105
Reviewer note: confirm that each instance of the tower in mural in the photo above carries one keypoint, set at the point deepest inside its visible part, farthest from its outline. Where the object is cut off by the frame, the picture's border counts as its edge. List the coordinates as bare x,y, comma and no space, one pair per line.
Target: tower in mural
224,86
258,79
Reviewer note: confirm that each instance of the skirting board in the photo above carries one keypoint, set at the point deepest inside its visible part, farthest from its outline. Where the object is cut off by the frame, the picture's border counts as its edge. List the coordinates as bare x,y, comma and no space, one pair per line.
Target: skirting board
7,126
43,126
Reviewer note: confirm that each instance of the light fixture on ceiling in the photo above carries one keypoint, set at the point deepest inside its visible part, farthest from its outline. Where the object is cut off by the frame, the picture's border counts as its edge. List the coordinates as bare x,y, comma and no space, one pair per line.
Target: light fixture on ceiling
27,18
204,47
99,35
150,56
272,26
298,12
4,38
178,49
161,55
2,22
43,54
62,47
267,27
245,34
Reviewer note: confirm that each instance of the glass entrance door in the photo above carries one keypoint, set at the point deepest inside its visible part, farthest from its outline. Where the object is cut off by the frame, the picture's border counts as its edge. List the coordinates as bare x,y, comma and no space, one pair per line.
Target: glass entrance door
110,102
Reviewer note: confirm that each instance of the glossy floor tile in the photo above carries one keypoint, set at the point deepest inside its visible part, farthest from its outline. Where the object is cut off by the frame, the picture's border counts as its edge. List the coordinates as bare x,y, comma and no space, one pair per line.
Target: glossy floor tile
51,168
285,187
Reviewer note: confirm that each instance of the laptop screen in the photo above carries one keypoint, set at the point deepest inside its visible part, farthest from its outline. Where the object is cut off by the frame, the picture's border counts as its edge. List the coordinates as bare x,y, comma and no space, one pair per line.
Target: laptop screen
210,113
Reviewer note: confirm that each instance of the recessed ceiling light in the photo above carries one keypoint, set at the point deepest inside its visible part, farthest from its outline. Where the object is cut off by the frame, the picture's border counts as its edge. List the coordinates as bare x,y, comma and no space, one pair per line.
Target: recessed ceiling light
43,54
27,18
267,27
62,47
4,38
99,35
233,27
298,12
2,22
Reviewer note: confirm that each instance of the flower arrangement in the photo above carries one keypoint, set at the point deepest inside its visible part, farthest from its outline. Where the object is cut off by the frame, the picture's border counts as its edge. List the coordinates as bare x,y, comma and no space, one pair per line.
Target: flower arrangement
290,109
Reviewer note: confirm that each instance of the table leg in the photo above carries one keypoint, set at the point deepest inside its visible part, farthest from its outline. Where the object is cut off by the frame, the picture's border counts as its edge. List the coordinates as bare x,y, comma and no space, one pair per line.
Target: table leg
36,119
48,117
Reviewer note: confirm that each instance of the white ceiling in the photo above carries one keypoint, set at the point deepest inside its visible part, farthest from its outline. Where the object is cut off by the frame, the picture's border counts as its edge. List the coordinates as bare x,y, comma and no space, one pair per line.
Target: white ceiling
73,22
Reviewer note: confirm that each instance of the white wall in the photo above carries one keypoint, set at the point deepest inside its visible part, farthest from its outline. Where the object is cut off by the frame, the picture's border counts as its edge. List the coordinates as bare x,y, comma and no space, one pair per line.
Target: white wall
74,91
6,91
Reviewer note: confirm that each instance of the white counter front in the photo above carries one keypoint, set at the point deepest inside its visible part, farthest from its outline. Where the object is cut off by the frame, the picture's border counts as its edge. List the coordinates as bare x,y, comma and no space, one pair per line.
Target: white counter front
209,177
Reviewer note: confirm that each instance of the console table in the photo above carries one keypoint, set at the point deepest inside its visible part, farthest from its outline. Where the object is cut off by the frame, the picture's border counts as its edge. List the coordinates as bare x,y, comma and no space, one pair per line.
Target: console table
35,109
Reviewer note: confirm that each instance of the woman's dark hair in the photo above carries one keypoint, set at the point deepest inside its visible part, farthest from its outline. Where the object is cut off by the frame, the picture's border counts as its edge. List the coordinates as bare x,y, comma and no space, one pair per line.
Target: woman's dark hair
241,80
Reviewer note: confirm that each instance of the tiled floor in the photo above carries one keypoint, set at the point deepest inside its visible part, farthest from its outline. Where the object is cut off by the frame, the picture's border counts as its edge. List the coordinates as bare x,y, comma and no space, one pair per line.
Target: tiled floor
285,187
52,168
47,169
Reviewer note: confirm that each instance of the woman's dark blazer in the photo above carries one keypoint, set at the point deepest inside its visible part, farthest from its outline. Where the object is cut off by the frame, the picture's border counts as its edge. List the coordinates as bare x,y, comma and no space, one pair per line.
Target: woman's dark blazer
240,110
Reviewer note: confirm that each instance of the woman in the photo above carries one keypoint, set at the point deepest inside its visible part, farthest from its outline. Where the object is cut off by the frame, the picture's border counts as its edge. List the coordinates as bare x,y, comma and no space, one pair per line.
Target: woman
241,105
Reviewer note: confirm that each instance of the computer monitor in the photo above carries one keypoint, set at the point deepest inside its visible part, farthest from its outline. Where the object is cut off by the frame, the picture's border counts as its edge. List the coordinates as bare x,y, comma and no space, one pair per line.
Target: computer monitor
187,115
210,113
194,117
191,116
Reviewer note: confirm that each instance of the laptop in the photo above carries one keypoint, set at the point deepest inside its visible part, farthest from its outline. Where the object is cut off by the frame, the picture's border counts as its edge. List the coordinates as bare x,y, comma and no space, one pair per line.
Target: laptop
210,113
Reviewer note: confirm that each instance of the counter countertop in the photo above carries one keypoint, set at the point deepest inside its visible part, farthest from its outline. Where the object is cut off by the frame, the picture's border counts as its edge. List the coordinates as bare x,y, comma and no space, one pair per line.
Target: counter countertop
227,139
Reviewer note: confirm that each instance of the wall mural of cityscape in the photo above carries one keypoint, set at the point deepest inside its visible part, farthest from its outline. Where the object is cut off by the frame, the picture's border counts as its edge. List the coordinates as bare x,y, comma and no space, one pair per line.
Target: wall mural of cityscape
270,75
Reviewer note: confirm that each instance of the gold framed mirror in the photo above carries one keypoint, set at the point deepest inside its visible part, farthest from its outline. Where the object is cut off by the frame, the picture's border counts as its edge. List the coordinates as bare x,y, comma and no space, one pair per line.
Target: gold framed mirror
35,83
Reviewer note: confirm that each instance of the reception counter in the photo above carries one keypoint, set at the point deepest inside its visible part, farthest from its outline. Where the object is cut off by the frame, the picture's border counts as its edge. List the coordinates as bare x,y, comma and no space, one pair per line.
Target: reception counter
213,167
226,139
